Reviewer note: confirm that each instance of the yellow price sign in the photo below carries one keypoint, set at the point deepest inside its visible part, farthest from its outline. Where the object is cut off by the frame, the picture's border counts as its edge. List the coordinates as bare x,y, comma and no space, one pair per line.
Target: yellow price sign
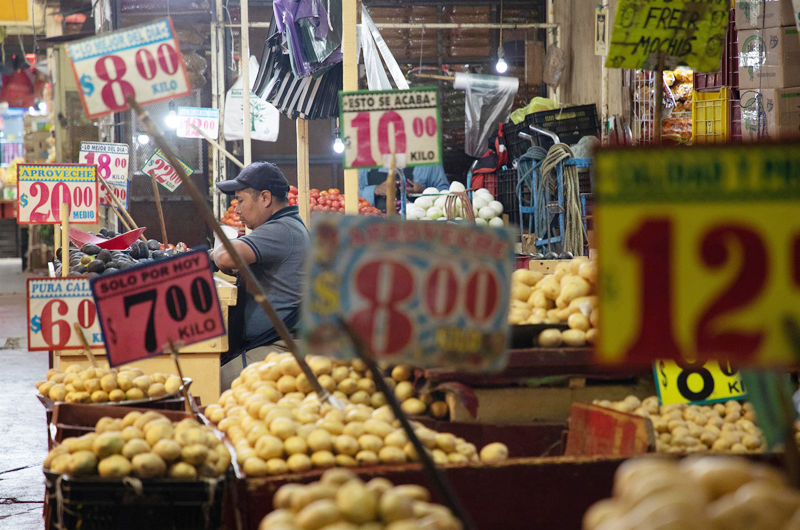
699,254
712,382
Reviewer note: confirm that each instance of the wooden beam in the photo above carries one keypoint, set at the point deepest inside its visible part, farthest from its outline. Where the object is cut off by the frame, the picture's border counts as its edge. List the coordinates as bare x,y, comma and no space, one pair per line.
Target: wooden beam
301,126
245,34
350,83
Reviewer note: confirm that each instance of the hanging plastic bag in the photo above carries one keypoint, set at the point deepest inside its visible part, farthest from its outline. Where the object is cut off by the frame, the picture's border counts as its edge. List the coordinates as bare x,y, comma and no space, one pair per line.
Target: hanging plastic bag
555,62
488,101
264,118
373,44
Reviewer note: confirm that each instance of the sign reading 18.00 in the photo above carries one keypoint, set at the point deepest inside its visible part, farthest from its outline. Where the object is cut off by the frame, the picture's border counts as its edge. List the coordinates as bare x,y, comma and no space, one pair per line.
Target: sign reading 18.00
143,61
112,165
376,124
42,188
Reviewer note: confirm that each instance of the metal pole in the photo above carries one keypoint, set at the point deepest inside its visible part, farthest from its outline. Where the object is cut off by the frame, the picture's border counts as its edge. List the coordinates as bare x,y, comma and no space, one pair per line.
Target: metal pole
659,103
245,36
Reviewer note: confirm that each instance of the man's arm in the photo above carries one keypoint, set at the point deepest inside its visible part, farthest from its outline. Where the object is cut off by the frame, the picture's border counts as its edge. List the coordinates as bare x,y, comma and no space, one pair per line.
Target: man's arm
224,260
365,190
431,177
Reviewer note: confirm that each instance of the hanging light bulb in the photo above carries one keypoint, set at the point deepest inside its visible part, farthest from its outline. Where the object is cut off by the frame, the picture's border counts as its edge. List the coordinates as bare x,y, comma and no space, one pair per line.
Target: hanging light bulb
338,144
143,139
502,65
171,121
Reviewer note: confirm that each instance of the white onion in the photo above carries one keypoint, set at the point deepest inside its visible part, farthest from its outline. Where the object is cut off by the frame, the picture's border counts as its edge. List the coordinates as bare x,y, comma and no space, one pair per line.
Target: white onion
496,206
434,212
458,219
481,190
479,202
442,218
439,202
481,222
429,191
417,212
497,222
411,214
426,218
457,186
424,202
487,213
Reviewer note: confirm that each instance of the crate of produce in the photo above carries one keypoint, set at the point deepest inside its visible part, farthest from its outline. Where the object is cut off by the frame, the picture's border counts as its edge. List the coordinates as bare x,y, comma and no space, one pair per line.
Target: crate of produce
507,193
516,146
569,123
710,116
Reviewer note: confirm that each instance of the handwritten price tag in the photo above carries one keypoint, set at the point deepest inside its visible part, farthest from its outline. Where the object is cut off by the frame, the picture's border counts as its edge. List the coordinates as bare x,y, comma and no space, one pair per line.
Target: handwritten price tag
112,165
377,123
207,120
157,166
712,382
54,305
144,307
699,254
426,294
41,188
143,61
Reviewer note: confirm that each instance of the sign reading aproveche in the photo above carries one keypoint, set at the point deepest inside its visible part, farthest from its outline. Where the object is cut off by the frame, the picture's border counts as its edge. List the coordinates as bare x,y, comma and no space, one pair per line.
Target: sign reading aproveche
712,382
377,123
207,120
142,308
683,32
159,167
112,165
424,294
42,188
699,254
54,305
142,61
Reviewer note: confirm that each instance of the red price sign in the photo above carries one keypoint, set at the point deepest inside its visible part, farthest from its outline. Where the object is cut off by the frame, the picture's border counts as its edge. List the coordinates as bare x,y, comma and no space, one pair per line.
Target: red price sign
377,123
143,308
42,188
112,165
143,61
54,305
158,167
427,294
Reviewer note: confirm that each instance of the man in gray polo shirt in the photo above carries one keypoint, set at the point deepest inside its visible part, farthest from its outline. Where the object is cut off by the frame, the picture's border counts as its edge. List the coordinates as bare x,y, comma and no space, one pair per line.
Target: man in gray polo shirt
275,250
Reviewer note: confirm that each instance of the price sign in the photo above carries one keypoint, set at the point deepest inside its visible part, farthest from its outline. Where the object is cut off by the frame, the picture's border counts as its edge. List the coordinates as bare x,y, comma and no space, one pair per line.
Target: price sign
712,382
426,294
112,165
142,61
682,32
144,307
207,120
377,123
699,254
54,305
157,166
41,188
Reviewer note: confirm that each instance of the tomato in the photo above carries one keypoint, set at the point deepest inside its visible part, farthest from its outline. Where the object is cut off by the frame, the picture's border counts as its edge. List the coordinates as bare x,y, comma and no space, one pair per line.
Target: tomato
336,205
333,190
292,189
341,209
315,194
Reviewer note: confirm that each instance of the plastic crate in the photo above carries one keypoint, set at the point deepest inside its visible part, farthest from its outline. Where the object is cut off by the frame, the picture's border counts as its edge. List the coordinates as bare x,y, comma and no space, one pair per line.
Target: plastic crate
507,193
516,146
710,116
570,124
735,119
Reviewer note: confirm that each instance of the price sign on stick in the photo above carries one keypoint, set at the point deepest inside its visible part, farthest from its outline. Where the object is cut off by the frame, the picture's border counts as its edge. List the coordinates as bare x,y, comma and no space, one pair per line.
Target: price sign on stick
158,166
42,188
426,294
207,120
142,61
112,165
377,123
699,254
712,382
141,309
54,306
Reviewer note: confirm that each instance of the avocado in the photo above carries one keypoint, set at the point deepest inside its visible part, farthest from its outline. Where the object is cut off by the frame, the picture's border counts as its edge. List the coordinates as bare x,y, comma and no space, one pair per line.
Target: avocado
92,275
96,266
159,254
86,259
111,234
111,270
152,244
88,248
104,255
134,251
125,265
144,252
78,269
103,231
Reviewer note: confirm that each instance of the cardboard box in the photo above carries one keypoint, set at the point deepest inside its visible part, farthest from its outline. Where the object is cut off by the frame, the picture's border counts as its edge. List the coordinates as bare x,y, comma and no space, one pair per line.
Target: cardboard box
787,113
758,114
769,58
753,14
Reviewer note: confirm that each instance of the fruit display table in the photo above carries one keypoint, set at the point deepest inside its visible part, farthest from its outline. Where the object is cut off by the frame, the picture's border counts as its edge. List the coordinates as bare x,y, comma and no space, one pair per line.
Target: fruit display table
200,361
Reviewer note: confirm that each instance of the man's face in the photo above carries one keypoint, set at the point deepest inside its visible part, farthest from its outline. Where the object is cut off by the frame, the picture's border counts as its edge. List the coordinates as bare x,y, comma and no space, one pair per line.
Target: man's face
253,208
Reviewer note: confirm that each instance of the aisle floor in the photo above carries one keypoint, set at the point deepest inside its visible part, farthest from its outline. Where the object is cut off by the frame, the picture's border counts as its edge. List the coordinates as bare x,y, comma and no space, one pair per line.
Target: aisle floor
23,435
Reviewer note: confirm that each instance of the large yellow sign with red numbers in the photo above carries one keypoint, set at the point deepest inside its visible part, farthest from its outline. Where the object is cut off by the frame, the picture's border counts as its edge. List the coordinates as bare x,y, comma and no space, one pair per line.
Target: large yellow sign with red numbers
699,254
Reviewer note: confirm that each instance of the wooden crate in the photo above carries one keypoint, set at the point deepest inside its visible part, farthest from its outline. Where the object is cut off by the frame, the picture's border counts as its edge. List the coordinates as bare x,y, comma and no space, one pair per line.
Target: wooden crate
73,419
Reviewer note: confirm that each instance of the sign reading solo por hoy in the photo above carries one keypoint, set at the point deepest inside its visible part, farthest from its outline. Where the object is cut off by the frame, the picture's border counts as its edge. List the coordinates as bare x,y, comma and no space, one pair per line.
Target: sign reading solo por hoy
54,305
141,309
158,167
424,294
42,188
143,61
112,165
207,120
377,123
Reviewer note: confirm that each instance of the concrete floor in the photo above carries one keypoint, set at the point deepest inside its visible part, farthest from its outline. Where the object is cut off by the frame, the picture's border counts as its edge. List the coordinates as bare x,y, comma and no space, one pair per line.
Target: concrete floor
23,435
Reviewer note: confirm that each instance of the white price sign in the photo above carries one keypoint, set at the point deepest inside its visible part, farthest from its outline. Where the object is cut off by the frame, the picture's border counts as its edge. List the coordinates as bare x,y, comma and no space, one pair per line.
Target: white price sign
112,165
159,168
42,188
377,123
207,120
143,61
54,305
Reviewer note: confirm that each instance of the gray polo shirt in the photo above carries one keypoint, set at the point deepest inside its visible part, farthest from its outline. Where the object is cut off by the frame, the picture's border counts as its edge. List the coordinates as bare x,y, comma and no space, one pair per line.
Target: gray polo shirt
280,246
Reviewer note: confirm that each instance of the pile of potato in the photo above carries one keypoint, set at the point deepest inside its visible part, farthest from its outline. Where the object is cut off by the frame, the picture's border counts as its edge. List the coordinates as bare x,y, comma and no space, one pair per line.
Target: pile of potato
341,501
278,425
681,428
143,445
697,493
566,296
77,384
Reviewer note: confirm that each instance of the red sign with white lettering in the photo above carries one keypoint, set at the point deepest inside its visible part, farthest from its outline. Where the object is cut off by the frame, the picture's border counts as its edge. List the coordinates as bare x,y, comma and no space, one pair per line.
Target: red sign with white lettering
141,309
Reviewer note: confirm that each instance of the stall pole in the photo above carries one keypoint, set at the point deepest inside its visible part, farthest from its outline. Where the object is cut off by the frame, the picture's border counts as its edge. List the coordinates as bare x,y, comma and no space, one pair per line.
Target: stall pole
65,240
174,353
123,212
124,222
253,286
56,237
302,171
87,350
350,84
391,190
245,57
159,209
659,104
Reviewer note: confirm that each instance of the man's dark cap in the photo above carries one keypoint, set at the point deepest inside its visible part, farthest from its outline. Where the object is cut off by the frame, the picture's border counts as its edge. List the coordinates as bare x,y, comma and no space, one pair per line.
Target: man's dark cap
259,176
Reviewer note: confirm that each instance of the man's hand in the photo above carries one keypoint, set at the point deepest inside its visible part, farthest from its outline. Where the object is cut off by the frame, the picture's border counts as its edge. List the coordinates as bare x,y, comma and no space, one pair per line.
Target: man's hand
380,189
415,187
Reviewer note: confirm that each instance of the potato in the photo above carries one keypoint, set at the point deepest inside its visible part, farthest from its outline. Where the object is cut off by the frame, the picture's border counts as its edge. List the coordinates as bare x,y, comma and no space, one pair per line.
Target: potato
367,458
391,455
551,287
356,503
573,337
494,452
413,407
322,459
588,271
298,463
254,467
395,506
550,338
578,321
318,514
527,277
